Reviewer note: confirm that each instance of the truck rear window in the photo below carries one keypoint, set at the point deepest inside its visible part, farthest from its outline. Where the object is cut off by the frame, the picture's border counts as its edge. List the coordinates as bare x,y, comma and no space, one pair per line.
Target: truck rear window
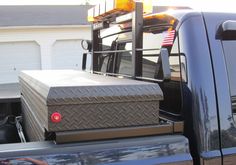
151,45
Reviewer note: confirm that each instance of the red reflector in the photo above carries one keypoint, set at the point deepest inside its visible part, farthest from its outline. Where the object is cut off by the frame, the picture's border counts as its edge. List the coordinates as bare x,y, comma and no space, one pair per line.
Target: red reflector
169,39
56,117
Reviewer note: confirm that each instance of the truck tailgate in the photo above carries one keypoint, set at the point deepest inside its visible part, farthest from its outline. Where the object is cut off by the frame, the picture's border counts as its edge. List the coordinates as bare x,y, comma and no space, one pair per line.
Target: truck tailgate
166,149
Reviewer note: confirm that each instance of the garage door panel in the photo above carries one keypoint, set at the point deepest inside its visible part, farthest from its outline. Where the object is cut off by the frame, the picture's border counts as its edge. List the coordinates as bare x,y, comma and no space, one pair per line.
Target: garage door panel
28,66
17,56
67,54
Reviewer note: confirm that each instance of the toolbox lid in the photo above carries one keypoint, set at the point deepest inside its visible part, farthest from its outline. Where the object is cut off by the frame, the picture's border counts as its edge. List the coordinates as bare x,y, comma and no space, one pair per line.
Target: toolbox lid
60,87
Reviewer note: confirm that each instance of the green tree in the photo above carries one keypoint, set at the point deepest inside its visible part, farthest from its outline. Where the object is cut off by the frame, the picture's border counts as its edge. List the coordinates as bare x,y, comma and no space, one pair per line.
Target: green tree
87,2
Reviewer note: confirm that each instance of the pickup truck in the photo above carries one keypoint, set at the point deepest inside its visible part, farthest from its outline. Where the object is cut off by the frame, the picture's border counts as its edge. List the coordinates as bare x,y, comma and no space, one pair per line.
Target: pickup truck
190,55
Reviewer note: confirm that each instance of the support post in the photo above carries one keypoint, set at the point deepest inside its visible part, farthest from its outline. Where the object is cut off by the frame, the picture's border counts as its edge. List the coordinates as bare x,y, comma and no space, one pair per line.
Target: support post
95,47
137,39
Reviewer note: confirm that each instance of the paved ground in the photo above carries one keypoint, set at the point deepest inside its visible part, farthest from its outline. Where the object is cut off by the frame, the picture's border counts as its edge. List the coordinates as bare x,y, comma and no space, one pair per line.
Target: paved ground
9,92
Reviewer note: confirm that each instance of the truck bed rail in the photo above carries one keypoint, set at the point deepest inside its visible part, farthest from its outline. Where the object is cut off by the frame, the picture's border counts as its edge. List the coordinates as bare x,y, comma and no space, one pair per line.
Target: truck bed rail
166,126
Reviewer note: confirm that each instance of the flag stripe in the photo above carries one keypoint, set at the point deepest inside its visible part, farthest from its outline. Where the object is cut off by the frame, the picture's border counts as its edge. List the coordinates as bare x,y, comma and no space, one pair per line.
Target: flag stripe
169,39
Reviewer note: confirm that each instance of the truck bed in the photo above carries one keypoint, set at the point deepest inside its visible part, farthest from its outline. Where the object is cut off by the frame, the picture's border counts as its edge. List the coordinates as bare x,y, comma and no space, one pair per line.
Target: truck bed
162,144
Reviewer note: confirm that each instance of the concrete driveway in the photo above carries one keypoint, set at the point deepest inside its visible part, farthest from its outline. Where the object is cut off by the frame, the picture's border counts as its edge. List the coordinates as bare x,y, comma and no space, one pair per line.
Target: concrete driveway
9,92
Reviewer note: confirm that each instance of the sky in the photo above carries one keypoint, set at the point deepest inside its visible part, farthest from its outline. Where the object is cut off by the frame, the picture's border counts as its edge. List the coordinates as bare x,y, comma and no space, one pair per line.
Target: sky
210,5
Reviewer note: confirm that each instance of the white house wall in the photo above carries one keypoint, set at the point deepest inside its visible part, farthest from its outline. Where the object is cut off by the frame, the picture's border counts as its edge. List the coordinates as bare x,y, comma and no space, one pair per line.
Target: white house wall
46,37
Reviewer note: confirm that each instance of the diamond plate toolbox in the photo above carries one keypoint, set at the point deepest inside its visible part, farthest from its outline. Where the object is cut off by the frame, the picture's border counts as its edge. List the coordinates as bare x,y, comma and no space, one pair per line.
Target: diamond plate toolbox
85,101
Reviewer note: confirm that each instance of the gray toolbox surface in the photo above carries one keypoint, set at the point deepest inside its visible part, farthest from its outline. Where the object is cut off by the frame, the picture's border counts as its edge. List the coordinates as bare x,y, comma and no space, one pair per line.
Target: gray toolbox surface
86,101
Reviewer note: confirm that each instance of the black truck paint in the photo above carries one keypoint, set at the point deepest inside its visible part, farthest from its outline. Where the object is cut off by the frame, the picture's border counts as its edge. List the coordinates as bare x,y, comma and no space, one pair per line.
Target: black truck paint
206,107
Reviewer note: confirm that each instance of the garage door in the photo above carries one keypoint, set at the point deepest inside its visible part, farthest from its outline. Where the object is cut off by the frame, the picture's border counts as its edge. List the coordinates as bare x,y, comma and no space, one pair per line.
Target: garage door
67,54
17,56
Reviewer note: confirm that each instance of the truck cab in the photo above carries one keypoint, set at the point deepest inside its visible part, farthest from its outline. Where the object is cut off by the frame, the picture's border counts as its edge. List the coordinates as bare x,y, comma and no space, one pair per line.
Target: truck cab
198,88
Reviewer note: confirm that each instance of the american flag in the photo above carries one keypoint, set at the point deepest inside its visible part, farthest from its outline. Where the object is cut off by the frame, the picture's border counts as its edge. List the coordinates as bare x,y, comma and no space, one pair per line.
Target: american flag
169,38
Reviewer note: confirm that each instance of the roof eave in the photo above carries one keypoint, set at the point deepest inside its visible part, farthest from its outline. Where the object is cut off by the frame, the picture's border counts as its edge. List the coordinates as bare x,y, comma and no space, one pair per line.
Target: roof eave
44,27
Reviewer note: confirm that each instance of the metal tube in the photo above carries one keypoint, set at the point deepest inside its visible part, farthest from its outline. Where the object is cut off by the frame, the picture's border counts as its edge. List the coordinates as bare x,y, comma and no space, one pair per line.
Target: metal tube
137,37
